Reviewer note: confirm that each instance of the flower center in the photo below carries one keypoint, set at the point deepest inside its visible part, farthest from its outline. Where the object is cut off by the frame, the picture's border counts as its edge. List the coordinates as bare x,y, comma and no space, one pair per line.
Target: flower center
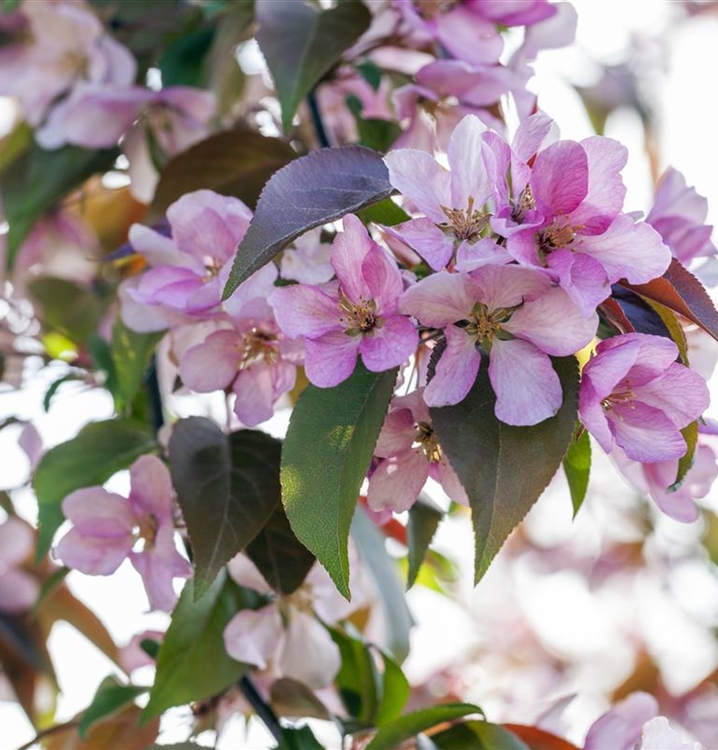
212,267
359,317
145,533
485,324
523,204
560,234
466,223
429,9
623,395
256,345
427,441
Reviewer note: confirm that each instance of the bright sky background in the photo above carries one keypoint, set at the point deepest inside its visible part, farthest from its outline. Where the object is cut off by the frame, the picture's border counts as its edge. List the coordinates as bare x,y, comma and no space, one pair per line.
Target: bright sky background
680,68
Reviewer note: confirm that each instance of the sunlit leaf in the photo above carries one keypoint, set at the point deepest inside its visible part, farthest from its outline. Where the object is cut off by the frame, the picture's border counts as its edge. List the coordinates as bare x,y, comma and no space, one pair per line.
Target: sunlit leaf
504,469
326,454
110,697
424,518
577,466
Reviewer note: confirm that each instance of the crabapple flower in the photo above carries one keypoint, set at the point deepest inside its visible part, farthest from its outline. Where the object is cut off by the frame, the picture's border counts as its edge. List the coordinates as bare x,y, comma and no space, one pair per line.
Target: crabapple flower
286,636
635,395
633,724
452,202
567,218
18,588
679,216
357,315
253,358
409,454
517,317
657,479
189,268
60,46
108,528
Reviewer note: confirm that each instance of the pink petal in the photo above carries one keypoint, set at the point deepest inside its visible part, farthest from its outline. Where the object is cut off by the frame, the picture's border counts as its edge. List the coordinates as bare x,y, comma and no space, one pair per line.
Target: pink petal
383,280
307,653
258,387
252,635
620,728
645,433
628,250
435,246
440,298
508,286
397,433
397,481
447,478
418,177
151,488
468,170
330,359
526,385
93,555
485,252
349,250
18,591
680,393
212,365
593,416
531,134
389,346
98,513
559,177
468,36
17,543
259,285
159,250
611,366
303,310
553,323
456,370
582,277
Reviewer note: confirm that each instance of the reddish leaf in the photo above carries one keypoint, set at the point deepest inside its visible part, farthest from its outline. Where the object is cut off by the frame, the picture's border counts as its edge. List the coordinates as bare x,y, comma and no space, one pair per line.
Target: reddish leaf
680,290
537,739
613,314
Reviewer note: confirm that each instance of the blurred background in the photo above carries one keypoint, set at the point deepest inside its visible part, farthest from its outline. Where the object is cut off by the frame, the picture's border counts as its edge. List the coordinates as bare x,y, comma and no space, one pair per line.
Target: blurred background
573,614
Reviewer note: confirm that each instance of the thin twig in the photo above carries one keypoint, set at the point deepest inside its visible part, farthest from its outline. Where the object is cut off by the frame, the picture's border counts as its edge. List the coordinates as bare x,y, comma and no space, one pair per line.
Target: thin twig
261,708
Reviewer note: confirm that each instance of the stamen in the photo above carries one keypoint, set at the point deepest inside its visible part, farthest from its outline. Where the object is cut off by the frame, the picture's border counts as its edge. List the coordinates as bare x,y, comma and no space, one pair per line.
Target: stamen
360,318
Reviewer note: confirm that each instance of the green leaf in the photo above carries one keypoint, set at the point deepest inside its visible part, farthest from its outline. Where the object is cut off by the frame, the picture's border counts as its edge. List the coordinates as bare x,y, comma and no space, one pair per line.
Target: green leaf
54,387
111,696
315,189
66,308
377,134
690,435
192,663
357,679
38,180
329,446
384,572
131,354
299,739
424,518
385,212
182,61
301,43
405,727
99,450
281,558
395,691
227,487
235,162
504,469
577,466
293,698
675,329
477,735
14,144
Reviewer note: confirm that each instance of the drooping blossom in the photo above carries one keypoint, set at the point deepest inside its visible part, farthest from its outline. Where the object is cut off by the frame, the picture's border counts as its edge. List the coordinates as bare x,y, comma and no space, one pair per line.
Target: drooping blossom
657,479
517,317
108,528
679,216
253,358
409,454
455,219
287,636
564,213
635,395
189,268
634,724
355,315
56,47
18,588
468,29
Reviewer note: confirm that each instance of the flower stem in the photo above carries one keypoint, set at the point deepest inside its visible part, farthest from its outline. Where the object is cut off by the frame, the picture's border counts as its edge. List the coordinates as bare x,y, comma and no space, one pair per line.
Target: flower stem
261,707
317,120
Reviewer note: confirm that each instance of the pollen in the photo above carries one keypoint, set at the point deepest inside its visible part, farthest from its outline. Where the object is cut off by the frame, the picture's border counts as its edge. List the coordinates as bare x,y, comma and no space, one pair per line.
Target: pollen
359,317
466,223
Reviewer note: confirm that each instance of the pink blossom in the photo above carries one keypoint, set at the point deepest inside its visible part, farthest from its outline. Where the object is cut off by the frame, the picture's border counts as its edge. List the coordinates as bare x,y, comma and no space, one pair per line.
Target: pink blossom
18,588
189,268
657,479
409,454
62,46
467,29
253,358
357,315
452,202
633,724
133,656
287,636
309,260
567,218
679,215
635,395
517,317
108,528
